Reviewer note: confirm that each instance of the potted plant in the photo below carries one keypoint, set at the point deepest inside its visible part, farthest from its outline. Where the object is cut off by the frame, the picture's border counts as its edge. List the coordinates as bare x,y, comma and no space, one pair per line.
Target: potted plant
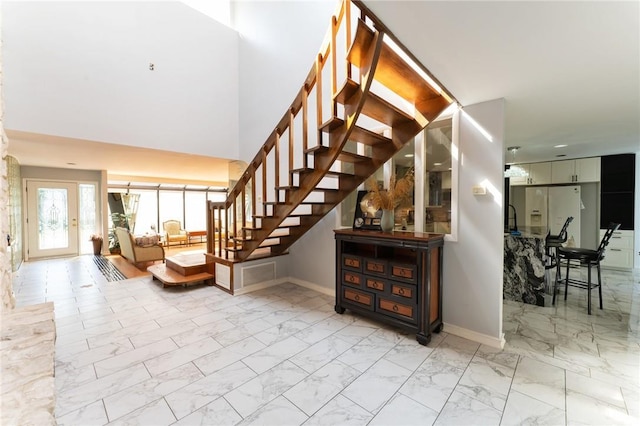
388,199
96,239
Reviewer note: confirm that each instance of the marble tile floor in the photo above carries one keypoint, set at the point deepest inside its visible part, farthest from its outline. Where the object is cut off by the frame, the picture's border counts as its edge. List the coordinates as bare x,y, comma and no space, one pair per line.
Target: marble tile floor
131,352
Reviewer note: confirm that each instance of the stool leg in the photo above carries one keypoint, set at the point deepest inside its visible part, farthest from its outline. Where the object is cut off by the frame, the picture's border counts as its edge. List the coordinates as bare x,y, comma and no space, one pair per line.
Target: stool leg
555,282
566,281
589,287
599,285
558,276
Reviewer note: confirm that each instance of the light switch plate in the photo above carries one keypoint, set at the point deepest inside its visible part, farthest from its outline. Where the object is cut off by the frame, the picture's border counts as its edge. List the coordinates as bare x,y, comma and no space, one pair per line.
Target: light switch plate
479,190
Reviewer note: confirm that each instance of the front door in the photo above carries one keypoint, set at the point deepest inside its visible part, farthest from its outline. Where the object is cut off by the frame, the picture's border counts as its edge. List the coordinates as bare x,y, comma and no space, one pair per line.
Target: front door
52,223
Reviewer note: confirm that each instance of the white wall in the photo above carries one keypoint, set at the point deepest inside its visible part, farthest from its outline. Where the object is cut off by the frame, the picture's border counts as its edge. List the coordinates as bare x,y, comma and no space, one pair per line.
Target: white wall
313,257
279,41
473,265
81,69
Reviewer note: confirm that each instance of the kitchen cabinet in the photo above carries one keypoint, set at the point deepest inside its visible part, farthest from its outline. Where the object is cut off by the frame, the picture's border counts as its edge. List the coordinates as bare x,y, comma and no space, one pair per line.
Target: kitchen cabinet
539,173
575,171
536,174
392,277
618,192
619,252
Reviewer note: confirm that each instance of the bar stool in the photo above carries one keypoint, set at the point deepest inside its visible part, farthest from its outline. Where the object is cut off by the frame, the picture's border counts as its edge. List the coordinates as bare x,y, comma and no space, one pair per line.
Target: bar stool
554,242
588,258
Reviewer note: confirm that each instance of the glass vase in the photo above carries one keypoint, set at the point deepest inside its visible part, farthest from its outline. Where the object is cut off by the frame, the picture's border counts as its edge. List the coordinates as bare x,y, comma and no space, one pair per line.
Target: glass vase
387,221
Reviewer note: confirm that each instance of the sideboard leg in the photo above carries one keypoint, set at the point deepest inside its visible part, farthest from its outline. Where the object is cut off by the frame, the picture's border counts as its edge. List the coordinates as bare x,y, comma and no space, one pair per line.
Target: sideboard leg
339,309
423,339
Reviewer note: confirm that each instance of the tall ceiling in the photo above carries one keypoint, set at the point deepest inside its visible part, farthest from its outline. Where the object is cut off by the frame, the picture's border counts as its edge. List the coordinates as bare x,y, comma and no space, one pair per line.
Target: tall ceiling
568,71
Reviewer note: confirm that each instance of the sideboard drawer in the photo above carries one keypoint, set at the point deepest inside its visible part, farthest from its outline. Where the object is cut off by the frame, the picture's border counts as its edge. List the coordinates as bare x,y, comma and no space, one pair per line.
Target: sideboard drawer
375,267
405,291
406,273
352,262
375,284
397,309
352,278
359,297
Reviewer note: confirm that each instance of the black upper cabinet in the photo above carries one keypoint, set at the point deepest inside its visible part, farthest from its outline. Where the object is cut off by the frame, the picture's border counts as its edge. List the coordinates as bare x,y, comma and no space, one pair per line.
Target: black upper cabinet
618,173
617,186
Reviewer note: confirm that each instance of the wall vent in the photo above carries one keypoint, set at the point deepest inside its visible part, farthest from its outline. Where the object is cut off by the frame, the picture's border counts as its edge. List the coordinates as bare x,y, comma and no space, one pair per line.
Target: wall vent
258,273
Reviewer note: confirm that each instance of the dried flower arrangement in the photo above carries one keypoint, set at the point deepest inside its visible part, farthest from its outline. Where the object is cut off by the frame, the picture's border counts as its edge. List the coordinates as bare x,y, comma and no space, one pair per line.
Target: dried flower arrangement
389,199
95,237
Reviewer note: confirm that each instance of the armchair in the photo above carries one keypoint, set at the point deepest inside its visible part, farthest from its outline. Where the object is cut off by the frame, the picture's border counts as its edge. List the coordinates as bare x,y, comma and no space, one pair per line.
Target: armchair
173,232
135,253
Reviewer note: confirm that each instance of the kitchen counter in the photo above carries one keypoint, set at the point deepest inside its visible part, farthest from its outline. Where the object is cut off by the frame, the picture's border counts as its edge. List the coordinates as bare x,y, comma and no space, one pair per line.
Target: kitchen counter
524,267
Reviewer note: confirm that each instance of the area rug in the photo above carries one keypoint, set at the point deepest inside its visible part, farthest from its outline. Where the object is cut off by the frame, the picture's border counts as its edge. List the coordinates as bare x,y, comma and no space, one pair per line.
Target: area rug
108,269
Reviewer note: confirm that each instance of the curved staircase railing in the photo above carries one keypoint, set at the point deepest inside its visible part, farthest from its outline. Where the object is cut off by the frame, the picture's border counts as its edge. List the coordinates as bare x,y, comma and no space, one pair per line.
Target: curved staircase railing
299,175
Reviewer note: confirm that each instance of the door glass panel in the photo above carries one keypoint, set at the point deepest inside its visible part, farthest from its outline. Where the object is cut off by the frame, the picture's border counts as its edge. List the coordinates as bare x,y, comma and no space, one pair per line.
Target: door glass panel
87,218
53,221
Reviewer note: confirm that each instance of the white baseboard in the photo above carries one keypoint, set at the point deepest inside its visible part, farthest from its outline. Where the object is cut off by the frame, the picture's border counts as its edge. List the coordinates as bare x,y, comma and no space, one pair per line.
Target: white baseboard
329,291
475,336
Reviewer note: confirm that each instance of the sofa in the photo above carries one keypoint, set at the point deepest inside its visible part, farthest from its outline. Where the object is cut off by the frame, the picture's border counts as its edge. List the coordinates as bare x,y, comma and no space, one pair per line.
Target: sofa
139,249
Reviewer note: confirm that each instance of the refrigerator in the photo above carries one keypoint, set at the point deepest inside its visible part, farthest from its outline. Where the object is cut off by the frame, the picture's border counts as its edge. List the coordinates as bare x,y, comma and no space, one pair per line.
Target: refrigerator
565,201
536,198
548,207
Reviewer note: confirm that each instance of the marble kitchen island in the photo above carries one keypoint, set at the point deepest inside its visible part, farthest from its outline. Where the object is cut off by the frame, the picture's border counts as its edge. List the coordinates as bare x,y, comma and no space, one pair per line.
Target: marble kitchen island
524,268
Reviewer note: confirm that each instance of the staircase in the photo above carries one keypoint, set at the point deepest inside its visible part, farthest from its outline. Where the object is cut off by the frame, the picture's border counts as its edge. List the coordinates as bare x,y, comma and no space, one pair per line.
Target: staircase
329,141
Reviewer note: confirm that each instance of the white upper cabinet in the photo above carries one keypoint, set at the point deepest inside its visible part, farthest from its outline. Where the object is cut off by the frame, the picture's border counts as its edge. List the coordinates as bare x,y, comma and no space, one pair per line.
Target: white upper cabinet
563,171
588,169
539,173
573,171
536,174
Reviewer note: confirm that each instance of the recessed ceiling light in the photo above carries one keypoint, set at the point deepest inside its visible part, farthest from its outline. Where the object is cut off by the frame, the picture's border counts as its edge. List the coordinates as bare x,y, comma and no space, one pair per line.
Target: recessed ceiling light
560,146
409,155
437,164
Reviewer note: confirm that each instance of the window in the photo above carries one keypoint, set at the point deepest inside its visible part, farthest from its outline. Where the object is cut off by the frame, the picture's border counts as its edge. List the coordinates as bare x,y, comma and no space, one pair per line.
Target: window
171,206
195,210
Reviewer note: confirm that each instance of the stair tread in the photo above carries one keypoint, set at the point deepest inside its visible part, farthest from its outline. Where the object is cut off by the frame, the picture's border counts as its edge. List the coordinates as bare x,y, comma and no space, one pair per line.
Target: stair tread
348,157
328,173
293,187
358,134
348,89
384,111
362,41
374,106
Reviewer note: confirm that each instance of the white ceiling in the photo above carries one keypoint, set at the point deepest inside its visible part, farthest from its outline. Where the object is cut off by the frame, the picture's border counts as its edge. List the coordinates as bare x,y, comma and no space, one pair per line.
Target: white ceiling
569,72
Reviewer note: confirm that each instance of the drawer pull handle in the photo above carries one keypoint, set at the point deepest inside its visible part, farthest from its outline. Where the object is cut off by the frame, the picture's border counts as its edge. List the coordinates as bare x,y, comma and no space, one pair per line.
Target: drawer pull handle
395,308
356,298
401,291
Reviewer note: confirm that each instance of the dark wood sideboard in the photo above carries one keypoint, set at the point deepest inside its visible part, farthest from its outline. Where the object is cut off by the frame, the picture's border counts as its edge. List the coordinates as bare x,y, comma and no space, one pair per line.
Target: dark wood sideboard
394,277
